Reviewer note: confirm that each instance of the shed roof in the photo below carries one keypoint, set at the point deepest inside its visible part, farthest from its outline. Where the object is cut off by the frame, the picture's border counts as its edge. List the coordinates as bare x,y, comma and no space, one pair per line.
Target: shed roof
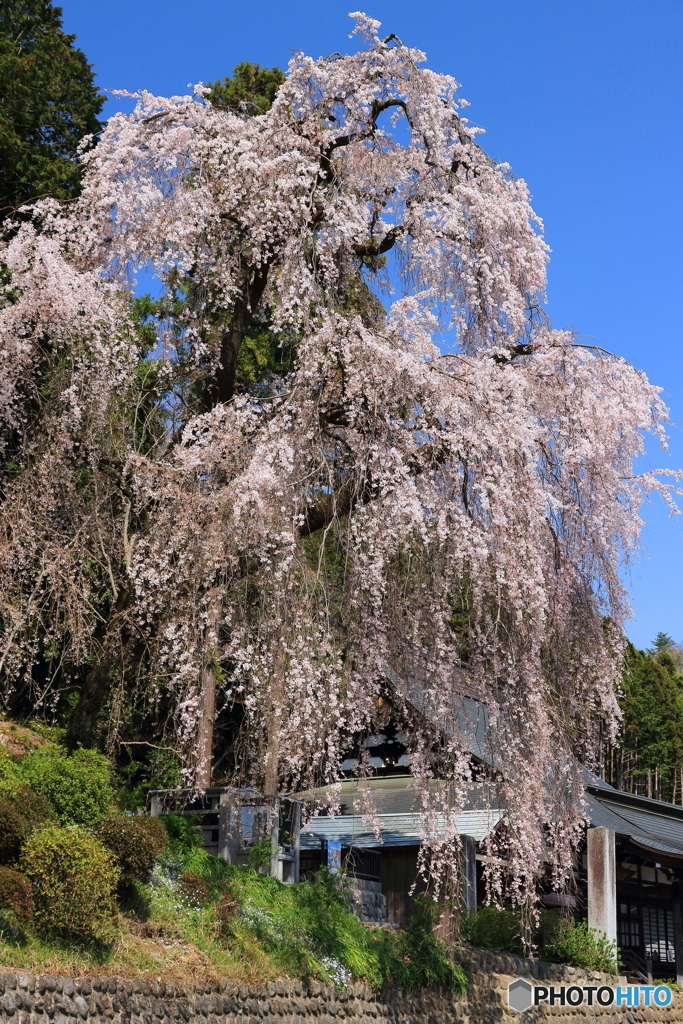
395,829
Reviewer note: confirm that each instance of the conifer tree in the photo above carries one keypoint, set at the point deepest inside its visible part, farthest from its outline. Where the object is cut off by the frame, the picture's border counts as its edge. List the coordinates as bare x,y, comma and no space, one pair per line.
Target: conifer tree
251,89
49,103
649,756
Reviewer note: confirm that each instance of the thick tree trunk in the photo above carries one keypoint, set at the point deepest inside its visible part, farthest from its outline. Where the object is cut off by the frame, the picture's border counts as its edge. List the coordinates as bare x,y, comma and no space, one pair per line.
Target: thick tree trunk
270,781
619,781
207,702
82,728
254,283
96,690
222,389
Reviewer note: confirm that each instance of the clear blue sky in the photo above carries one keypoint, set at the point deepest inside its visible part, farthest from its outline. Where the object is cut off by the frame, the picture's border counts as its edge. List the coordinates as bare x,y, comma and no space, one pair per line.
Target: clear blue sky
583,97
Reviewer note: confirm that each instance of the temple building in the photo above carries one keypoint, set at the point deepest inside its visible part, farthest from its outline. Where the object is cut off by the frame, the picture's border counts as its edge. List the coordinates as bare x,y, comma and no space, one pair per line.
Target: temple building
628,877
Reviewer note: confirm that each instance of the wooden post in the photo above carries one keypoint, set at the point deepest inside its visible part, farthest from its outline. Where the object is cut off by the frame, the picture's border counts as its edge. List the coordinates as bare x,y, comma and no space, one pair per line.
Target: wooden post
469,855
602,883
678,939
296,833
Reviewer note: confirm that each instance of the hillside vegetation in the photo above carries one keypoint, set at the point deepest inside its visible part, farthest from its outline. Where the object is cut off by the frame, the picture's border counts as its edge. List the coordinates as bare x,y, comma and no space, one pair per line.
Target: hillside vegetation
86,887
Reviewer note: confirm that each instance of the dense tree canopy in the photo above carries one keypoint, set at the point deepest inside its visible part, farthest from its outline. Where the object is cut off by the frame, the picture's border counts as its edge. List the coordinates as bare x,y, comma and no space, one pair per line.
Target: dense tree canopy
648,757
427,499
49,103
251,89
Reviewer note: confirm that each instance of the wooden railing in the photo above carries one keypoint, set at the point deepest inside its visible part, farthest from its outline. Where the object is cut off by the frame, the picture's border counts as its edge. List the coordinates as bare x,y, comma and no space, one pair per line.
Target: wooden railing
636,966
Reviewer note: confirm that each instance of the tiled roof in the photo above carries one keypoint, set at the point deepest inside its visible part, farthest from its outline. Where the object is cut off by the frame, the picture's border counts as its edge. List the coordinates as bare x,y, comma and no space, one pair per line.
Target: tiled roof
651,824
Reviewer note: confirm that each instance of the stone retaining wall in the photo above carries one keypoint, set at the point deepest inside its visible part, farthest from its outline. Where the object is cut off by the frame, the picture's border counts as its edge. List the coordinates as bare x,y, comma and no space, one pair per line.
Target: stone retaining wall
490,974
43,999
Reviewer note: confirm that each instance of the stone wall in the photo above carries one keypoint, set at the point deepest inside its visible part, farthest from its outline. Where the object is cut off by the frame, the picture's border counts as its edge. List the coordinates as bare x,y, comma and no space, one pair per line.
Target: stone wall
490,974
42,999
366,900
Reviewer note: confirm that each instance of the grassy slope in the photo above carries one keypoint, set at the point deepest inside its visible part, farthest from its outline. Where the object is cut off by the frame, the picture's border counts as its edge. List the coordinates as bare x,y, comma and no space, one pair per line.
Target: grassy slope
200,918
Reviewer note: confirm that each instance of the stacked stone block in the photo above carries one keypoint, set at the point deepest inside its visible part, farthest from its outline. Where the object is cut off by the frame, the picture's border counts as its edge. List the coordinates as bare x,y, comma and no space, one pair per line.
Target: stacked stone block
46,999
367,900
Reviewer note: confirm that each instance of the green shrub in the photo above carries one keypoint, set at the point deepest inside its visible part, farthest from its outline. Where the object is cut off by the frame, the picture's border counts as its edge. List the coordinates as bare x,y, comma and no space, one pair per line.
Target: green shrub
21,811
73,878
33,806
570,943
16,897
77,787
14,831
156,769
579,945
492,928
420,960
136,842
260,854
182,831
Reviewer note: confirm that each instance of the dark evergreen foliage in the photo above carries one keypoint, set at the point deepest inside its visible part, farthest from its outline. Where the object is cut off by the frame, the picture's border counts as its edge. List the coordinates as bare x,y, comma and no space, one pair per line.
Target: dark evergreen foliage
16,897
649,756
14,830
250,91
21,812
48,103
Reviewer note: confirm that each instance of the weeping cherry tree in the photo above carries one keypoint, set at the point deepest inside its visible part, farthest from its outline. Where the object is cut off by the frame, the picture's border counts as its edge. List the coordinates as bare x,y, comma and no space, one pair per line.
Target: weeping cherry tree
441,489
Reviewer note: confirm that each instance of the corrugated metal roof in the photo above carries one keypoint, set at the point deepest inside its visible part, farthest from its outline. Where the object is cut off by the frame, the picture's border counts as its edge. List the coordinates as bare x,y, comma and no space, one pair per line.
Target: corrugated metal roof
396,829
